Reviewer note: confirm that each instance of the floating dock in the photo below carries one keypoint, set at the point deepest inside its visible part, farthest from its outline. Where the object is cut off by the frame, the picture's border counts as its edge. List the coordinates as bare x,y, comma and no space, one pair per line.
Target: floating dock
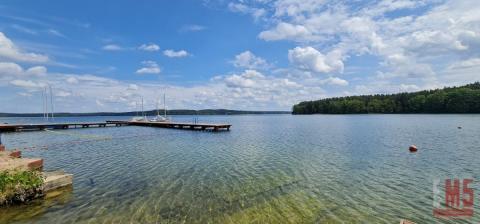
168,124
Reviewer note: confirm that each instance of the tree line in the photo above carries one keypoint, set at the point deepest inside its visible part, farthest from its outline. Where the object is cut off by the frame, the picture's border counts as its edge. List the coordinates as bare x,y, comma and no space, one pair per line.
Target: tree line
149,113
462,99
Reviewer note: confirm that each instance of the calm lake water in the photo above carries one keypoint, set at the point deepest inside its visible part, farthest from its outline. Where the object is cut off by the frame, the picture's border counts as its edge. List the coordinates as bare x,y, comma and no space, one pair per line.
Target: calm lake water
267,169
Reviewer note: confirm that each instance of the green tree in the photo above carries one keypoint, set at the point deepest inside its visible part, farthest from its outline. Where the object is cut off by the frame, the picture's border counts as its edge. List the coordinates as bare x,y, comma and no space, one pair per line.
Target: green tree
435,103
464,99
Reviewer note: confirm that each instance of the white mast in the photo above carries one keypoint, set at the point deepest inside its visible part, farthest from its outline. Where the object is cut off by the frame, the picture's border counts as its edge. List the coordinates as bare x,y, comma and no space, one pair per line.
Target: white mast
158,109
43,104
136,108
143,112
51,101
164,107
46,103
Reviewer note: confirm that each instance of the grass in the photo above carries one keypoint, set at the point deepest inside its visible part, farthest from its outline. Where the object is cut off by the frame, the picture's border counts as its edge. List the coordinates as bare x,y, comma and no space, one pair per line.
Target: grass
19,185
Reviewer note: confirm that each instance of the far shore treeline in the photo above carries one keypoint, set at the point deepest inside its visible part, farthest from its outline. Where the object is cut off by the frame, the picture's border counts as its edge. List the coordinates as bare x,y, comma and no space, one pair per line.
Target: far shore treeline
149,113
462,99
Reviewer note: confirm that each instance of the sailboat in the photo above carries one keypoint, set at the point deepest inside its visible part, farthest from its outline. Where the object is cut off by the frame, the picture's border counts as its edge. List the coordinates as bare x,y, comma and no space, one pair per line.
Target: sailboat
160,118
138,118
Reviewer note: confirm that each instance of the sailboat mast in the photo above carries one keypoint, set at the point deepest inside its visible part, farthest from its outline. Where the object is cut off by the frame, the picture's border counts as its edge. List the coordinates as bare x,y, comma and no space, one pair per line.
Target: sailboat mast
43,104
164,107
46,102
143,112
158,110
51,101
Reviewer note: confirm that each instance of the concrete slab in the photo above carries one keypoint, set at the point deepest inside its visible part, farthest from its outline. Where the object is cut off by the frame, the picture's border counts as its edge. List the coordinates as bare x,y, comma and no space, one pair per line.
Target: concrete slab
55,180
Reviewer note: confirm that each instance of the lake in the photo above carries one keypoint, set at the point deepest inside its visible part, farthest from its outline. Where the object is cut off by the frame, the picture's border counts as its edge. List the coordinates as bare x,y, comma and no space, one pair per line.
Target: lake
268,168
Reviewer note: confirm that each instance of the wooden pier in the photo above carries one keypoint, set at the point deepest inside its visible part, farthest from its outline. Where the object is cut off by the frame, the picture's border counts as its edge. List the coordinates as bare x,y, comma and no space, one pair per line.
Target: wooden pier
40,127
177,125
180,125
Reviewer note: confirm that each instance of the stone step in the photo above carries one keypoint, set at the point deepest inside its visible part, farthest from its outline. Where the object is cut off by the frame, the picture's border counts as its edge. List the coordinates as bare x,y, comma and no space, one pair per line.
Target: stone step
12,154
7,163
55,180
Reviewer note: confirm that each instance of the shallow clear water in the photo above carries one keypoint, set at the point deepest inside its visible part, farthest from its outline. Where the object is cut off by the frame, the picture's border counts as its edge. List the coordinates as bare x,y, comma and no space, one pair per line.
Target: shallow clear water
275,168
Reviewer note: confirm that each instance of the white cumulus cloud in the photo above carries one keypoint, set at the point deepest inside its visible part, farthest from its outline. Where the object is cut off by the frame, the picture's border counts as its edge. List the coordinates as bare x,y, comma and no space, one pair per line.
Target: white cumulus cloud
149,47
431,43
9,50
26,83
13,69
308,58
112,47
175,54
285,30
256,13
150,67
248,60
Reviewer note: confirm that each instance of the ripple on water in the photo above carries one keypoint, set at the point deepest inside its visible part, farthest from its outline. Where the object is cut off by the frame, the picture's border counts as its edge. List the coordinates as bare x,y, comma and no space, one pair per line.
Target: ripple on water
268,169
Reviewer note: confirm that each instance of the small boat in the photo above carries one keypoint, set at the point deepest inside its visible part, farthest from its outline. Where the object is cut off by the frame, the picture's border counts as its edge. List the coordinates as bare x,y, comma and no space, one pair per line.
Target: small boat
140,118
160,118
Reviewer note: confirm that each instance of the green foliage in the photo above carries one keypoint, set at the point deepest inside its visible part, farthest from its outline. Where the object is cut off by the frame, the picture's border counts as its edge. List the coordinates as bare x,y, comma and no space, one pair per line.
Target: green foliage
463,99
18,185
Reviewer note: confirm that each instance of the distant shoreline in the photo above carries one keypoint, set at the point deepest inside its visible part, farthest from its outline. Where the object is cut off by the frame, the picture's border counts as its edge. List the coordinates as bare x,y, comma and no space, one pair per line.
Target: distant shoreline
148,113
449,100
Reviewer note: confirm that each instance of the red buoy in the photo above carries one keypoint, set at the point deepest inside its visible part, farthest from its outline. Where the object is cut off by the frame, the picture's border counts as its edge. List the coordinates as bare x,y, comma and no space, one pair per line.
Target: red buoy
413,148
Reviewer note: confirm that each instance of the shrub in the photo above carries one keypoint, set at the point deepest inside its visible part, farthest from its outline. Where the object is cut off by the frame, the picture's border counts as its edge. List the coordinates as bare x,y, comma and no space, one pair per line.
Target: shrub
19,185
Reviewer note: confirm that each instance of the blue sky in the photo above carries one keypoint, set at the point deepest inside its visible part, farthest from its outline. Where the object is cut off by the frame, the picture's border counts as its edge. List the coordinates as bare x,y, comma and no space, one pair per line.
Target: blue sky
169,24
246,54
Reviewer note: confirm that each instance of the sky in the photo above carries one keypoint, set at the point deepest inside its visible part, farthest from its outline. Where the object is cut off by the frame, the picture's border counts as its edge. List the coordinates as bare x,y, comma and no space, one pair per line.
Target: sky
245,54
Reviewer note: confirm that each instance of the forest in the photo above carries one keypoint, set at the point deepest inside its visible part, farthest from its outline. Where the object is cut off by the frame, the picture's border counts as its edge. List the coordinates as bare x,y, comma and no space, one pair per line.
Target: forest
461,99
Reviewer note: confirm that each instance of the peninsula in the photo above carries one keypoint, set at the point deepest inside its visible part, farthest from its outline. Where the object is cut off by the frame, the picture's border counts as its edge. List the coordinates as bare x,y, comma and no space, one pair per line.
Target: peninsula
462,99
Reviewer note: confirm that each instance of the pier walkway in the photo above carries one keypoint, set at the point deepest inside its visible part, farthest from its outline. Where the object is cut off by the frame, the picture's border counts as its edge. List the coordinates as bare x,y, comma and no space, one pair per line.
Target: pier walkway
176,125
40,127
179,125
